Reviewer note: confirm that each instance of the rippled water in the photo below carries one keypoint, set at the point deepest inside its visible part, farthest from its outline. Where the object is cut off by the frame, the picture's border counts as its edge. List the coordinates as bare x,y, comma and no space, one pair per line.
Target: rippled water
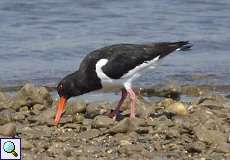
41,41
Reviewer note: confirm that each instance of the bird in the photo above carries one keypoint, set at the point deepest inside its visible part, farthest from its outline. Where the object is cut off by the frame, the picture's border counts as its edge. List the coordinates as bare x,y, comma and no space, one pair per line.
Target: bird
114,66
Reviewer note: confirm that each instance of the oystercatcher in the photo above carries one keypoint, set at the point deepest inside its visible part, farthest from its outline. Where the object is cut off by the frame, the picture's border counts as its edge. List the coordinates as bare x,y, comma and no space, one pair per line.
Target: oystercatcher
114,66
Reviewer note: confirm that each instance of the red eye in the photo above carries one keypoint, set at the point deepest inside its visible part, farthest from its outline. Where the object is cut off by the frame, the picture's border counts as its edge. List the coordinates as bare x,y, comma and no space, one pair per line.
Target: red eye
61,86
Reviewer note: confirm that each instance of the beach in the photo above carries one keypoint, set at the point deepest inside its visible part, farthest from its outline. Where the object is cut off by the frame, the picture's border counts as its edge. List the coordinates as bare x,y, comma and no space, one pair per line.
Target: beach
167,127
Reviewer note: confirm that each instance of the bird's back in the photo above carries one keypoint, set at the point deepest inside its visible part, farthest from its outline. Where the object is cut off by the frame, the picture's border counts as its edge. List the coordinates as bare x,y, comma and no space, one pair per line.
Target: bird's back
124,57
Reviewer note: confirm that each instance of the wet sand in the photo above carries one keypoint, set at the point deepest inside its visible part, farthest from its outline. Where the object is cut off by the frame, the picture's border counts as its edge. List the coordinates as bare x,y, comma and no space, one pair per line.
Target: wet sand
166,128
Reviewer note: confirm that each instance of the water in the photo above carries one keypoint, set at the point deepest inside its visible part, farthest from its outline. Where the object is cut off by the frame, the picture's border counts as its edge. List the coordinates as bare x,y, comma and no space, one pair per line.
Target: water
42,41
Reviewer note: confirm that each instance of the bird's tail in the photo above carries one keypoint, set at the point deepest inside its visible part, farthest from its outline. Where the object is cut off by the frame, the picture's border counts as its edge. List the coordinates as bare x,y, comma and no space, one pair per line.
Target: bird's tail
183,45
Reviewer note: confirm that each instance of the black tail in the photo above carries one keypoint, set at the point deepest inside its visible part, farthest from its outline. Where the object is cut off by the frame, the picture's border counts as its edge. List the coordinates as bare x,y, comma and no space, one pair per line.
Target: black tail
183,45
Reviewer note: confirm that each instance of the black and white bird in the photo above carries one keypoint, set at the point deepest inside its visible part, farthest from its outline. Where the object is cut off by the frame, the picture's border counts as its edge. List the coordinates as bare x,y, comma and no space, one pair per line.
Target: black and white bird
115,66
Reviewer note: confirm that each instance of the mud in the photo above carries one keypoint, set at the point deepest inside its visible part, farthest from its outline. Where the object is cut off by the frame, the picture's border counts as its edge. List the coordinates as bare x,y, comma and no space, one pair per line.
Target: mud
165,129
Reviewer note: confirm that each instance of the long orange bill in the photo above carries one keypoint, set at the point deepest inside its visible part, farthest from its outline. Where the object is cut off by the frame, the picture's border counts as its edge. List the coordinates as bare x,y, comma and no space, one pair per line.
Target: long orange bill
60,109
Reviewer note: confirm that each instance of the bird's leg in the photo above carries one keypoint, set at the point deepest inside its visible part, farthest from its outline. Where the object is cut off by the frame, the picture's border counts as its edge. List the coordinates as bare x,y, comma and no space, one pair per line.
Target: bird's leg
117,109
133,99
114,113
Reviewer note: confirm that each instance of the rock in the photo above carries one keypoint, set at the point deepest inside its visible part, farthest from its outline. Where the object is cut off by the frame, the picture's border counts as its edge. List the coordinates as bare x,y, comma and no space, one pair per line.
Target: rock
95,109
102,122
6,116
66,119
46,116
89,134
78,106
8,129
191,90
24,109
196,147
74,126
127,125
6,101
214,137
19,116
67,153
26,145
4,97
132,149
212,102
78,118
177,108
143,108
124,142
30,95
166,102
168,91
39,107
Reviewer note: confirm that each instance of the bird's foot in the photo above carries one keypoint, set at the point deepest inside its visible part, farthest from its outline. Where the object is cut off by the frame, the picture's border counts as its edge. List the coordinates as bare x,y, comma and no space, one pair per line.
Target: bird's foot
113,114
132,115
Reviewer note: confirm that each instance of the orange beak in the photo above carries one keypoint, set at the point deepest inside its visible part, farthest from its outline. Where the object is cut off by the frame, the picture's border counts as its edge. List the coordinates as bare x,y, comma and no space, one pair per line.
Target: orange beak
60,109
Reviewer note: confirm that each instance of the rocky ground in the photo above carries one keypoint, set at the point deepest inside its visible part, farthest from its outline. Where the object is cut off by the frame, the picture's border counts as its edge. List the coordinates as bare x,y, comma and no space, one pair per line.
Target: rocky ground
165,129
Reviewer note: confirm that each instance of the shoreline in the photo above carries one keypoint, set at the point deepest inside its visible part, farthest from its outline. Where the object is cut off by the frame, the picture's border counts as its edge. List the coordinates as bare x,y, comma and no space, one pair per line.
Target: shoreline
165,128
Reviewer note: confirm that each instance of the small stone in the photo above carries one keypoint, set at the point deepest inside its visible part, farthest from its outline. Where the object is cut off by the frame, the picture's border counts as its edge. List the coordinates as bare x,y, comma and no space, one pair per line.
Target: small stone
19,116
66,119
8,129
177,108
38,107
191,90
27,145
132,149
89,134
67,153
78,118
166,102
102,122
93,110
78,106
124,142
46,116
212,102
24,109
6,116
124,126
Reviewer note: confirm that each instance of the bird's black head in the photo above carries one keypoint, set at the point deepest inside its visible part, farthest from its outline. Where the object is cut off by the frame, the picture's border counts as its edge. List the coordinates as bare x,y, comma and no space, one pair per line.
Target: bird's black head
69,87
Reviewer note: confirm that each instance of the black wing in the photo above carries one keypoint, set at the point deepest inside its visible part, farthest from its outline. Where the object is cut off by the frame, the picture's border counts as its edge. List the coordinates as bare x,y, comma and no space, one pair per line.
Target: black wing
125,57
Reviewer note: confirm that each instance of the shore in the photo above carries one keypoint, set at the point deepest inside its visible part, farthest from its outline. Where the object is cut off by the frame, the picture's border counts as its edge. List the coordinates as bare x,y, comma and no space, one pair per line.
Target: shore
166,128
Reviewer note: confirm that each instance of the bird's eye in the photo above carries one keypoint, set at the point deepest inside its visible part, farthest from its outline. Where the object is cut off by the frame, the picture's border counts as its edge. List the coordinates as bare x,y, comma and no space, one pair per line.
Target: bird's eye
60,87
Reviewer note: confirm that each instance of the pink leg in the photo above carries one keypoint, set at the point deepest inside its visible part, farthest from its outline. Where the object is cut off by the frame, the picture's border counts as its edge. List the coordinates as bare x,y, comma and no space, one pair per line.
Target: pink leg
133,98
117,109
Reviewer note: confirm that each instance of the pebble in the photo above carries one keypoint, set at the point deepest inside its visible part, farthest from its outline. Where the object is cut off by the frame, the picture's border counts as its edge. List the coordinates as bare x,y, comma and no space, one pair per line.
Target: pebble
102,122
124,126
27,145
8,129
95,109
6,116
78,106
19,116
38,107
177,108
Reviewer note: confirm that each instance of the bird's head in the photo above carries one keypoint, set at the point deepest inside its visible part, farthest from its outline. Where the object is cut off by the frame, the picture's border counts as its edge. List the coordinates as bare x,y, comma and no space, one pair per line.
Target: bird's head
66,88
